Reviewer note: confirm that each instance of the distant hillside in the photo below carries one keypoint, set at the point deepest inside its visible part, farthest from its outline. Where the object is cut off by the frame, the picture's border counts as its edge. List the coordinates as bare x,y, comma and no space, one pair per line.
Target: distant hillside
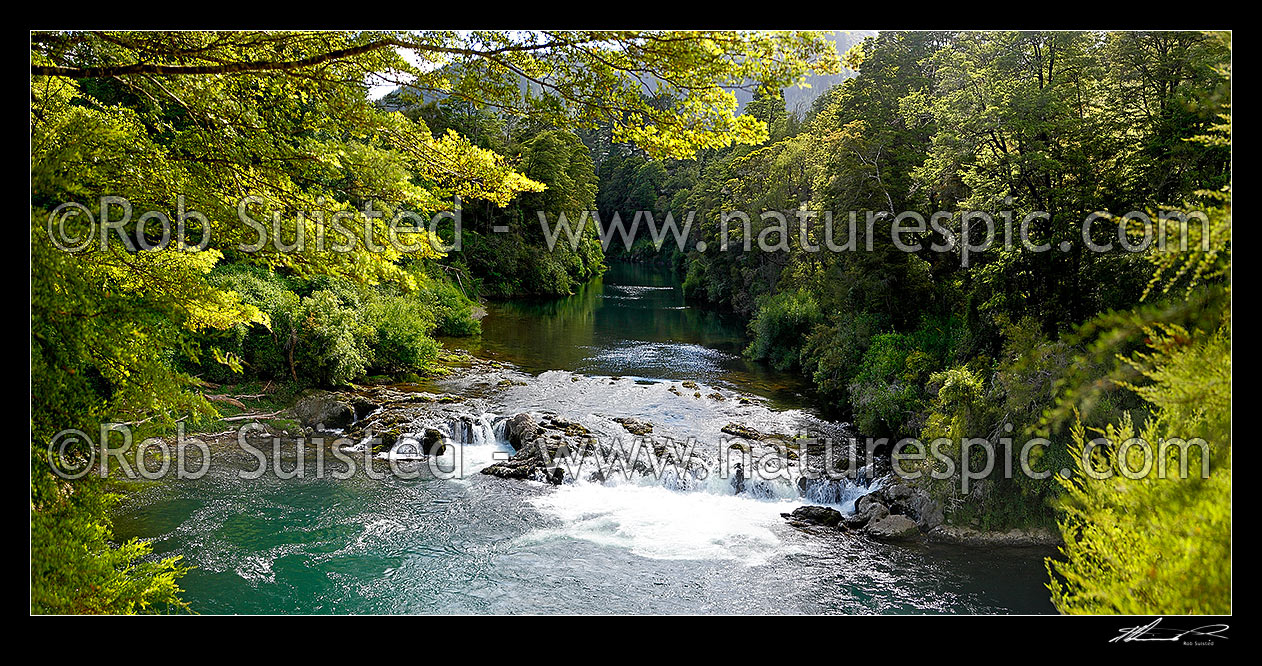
799,99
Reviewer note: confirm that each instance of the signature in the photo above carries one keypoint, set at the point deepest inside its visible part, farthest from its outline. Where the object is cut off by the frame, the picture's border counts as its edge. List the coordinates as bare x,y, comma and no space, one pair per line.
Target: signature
1153,632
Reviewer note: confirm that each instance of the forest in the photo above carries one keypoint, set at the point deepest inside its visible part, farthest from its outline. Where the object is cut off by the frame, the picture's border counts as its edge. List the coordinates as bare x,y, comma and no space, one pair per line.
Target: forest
1110,333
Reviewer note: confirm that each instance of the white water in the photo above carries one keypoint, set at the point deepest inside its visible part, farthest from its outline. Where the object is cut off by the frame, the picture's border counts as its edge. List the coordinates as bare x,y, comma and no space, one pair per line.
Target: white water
658,523
667,518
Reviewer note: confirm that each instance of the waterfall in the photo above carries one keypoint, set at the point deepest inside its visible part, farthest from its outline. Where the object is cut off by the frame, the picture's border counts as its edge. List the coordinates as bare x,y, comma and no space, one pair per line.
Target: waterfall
838,492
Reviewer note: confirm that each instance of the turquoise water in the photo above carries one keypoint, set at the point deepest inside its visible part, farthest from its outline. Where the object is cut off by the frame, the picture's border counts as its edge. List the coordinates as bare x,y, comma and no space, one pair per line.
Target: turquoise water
479,544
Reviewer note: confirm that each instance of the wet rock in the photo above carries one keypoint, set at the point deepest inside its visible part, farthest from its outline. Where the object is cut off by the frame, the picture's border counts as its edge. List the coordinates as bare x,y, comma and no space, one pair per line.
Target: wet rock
557,476
433,443
892,528
521,430
570,428
635,426
742,431
364,408
385,441
514,468
324,410
867,509
815,515
688,385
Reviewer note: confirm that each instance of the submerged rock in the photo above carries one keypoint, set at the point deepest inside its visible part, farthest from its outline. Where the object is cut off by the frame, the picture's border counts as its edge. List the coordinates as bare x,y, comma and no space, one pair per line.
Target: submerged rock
635,426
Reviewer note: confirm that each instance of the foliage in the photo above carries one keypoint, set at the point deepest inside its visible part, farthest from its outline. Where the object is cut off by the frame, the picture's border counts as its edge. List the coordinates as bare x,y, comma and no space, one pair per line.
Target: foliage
783,319
268,137
1147,527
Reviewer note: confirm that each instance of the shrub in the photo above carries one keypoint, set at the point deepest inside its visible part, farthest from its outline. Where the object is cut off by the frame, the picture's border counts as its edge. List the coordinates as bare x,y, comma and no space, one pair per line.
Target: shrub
886,392
402,342
333,338
781,326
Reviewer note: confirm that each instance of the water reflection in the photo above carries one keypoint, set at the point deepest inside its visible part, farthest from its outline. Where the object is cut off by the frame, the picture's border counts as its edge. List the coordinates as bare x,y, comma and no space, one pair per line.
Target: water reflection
634,322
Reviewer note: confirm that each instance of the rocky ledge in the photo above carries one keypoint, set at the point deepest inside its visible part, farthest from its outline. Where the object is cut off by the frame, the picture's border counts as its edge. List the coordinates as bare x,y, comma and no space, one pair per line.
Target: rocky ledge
536,444
967,536
899,512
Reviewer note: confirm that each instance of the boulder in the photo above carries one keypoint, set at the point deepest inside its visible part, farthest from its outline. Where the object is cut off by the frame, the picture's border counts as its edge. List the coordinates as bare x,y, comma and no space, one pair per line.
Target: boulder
433,443
867,509
521,430
323,411
927,511
512,469
892,528
815,515
913,502
386,440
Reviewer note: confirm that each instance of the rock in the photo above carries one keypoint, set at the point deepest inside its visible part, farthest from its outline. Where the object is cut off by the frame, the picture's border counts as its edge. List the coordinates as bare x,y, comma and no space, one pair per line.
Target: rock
738,479
385,441
364,408
635,426
324,410
433,443
865,503
867,509
913,502
892,528
688,385
571,428
967,536
815,515
521,430
928,511
742,431
557,476
514,468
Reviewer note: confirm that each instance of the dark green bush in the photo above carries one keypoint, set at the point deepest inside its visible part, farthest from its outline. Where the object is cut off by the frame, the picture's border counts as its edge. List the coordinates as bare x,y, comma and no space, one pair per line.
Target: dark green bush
781,326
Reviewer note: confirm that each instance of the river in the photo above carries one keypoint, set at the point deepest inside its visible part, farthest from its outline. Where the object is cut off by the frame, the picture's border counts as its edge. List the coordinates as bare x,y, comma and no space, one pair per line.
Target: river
621,346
